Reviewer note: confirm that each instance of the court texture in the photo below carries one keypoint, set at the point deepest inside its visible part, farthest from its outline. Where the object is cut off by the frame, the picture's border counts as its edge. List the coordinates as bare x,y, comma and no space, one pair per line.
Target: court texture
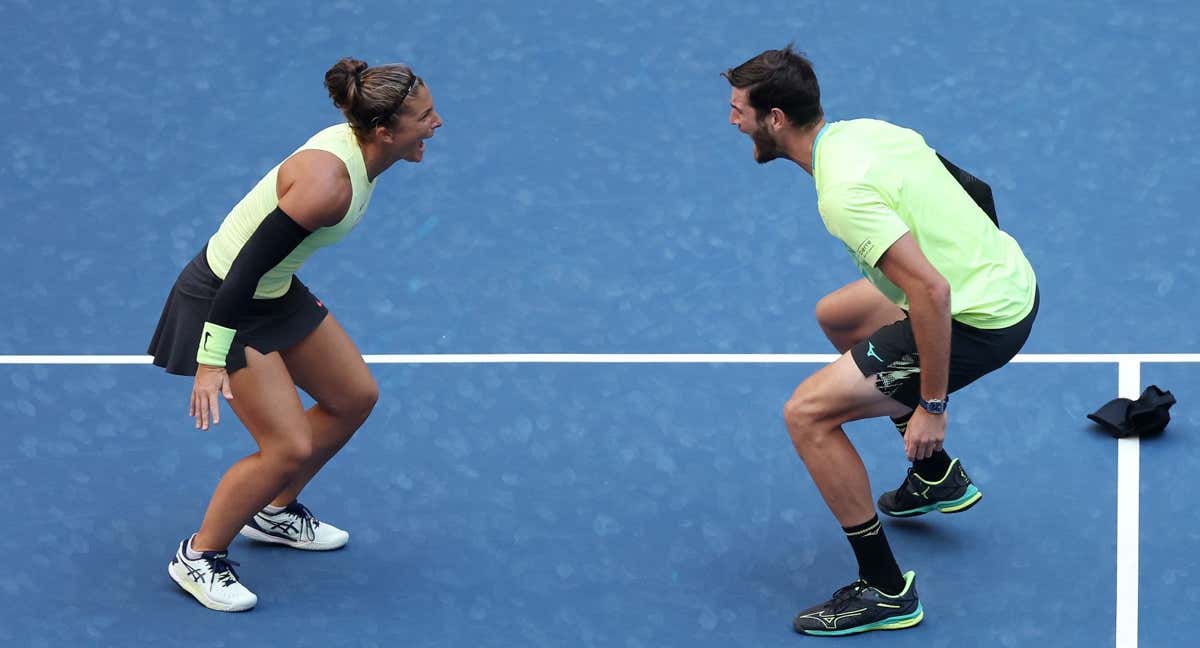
585,310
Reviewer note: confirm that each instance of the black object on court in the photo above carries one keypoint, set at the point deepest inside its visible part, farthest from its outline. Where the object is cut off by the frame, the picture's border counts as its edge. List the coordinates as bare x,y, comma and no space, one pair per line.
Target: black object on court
1147,415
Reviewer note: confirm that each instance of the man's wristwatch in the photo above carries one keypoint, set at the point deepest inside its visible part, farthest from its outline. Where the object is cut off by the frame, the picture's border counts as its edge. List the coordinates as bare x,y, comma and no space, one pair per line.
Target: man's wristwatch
934,405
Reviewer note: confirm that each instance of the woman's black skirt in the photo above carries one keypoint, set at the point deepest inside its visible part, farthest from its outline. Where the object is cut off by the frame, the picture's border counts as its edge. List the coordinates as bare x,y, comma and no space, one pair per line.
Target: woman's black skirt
267,325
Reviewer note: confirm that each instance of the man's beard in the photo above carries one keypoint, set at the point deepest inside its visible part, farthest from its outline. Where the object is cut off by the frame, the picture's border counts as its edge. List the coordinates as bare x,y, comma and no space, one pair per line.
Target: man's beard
765,147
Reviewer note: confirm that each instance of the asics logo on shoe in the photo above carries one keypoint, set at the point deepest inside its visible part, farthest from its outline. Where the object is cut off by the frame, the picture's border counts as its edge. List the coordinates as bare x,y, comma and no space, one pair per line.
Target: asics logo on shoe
295,522
217,564
196,574
282,528
210,579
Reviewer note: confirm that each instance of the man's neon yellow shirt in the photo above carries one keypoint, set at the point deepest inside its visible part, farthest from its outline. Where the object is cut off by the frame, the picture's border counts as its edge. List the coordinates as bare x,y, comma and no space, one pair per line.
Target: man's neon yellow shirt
876,181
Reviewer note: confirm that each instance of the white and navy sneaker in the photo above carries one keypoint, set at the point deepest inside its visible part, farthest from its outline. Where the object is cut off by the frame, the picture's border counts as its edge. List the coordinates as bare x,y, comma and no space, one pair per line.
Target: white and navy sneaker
295,527
211,579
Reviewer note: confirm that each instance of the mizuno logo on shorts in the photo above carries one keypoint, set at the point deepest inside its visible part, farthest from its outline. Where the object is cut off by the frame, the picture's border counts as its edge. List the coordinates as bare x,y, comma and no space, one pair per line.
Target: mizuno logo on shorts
871,351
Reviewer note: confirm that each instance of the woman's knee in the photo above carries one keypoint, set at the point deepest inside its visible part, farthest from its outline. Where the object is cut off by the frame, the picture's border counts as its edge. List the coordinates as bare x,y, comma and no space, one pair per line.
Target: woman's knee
355,402
289,454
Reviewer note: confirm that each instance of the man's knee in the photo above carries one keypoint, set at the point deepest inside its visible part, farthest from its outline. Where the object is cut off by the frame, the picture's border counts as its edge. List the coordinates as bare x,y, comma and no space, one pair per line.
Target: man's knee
807,418
831,314
840,325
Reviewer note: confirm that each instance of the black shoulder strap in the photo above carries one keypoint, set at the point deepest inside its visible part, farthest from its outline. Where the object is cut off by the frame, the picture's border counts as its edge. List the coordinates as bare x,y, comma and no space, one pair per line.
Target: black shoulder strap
979,190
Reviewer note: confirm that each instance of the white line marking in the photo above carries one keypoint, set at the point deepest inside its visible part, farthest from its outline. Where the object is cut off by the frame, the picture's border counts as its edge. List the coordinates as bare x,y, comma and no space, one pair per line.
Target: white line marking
609,358
624,358
1129,378
73,359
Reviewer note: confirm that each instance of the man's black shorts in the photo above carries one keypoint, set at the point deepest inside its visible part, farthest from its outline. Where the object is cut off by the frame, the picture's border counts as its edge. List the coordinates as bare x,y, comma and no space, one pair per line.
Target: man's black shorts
890,354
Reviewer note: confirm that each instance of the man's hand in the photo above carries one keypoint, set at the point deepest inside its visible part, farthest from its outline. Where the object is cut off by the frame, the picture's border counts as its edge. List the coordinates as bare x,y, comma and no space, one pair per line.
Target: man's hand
925,434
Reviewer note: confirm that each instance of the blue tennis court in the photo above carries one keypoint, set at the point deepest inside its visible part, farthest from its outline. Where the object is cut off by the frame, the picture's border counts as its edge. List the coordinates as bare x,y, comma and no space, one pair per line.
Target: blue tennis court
624,478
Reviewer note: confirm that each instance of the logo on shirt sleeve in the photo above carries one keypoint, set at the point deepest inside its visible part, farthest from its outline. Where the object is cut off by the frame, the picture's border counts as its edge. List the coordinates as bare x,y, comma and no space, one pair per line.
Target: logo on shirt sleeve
864,249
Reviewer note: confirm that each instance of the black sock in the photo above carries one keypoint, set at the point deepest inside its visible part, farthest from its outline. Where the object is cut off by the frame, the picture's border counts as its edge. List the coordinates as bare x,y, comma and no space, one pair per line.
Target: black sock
934,468
876,564
931,469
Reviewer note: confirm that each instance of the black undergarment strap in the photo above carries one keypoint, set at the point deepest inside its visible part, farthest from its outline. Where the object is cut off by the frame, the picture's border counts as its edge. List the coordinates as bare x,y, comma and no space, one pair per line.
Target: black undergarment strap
274,239
979,190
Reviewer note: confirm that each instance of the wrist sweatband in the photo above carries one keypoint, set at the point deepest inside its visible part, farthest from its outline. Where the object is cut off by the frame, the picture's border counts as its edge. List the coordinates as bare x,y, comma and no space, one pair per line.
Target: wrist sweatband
214,344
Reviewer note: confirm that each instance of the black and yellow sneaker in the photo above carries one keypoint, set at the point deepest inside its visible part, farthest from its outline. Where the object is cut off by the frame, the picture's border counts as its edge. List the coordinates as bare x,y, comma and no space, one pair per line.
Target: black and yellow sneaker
858,607
953,493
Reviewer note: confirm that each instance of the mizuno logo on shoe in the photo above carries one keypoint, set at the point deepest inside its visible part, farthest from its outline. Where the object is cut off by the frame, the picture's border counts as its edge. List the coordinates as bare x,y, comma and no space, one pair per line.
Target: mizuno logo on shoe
859,607
831,620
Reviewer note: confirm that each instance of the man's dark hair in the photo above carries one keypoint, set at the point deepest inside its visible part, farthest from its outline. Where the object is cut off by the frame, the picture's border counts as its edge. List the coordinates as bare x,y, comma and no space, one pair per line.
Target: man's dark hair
780,79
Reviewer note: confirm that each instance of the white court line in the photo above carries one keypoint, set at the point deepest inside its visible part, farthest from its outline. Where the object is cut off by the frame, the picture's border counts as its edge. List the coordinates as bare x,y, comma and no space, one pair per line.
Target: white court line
623,358
73,359
1129,378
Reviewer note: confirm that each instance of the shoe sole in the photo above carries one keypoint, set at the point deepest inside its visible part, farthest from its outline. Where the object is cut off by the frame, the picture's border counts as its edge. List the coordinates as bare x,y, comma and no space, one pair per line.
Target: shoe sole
254,534
198,594
969,499
894,623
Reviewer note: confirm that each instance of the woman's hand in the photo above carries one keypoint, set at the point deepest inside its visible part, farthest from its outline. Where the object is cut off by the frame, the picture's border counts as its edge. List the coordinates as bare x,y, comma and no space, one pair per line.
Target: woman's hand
209,382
